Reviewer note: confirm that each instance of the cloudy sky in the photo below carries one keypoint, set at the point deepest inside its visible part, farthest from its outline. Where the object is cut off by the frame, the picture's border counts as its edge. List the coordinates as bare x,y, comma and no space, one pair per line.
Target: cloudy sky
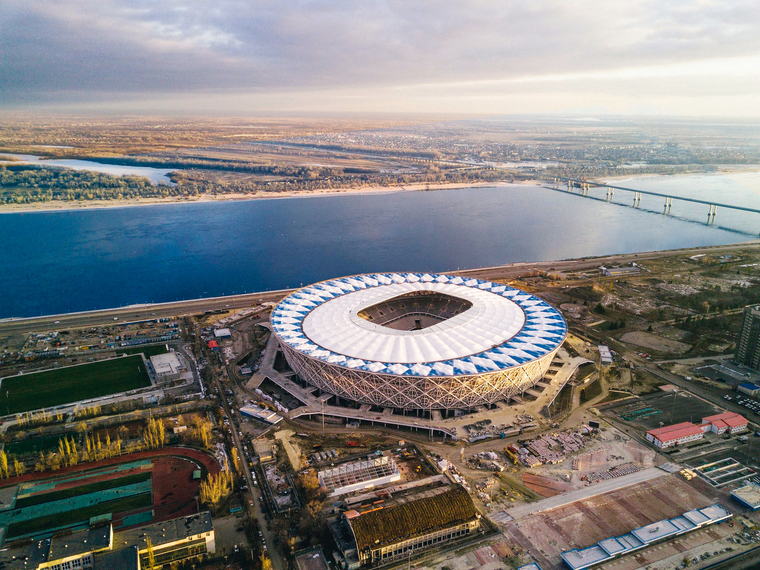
690,57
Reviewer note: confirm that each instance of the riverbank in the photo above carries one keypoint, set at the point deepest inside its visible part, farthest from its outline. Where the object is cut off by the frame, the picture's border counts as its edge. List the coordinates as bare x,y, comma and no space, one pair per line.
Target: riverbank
63,205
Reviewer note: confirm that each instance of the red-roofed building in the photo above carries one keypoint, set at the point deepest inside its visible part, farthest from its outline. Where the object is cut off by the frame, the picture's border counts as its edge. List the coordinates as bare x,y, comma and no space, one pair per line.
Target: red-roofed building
730,422
676,434
213,345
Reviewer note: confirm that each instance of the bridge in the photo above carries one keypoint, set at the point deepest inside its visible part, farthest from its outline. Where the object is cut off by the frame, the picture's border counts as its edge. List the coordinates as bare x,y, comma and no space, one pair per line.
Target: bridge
584,186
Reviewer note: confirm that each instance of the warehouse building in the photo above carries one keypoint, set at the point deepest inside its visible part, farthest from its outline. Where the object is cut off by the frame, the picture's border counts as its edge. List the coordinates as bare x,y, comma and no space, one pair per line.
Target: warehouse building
618,271
749,496
727,422
749,388
610,548
675,435
405,529
167,366
358,475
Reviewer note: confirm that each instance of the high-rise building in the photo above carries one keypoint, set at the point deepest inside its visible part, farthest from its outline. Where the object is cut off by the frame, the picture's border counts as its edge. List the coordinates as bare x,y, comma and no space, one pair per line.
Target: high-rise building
748,347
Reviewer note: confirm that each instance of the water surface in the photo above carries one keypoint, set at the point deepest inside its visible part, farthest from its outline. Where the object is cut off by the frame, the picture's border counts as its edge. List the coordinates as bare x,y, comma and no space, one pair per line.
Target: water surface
56,262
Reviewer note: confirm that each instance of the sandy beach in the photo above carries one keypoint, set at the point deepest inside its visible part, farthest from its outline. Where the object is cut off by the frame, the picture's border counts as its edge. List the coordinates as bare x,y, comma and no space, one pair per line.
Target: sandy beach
61,205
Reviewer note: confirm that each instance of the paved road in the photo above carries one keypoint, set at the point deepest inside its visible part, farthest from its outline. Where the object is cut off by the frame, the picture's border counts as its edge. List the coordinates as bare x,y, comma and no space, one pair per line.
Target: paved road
135,313
277,561
521,511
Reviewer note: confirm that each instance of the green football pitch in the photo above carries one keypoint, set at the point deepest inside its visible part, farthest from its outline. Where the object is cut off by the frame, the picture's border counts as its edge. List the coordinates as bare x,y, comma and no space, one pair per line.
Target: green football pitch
71,384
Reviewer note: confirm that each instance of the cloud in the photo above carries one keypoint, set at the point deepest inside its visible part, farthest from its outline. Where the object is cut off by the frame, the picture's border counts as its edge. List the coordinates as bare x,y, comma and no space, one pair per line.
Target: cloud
132,51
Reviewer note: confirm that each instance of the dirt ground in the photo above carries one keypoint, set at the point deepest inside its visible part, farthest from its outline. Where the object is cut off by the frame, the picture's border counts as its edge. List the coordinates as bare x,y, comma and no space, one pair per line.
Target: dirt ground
655,342
600,455
583,523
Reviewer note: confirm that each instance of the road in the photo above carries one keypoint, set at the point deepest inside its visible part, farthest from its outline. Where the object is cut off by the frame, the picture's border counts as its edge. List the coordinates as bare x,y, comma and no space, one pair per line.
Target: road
277,561
136,313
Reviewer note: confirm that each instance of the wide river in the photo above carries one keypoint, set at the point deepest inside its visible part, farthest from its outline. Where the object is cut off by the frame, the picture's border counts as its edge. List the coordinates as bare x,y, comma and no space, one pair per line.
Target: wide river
58,262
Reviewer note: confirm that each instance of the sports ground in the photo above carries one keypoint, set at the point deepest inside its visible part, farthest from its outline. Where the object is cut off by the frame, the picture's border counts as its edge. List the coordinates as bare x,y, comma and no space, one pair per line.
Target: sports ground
127,491
50,388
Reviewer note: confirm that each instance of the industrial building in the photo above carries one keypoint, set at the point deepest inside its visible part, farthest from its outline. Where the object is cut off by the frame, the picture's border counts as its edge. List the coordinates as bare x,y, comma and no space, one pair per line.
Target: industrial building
748,495
610,548
404,529
99,548
263,414
675,435
727,422
617,271
748,345
749,388
418,341
167,366
358,475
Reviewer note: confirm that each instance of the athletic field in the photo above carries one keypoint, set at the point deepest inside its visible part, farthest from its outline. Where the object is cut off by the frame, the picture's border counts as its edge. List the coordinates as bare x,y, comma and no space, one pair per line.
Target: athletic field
71,384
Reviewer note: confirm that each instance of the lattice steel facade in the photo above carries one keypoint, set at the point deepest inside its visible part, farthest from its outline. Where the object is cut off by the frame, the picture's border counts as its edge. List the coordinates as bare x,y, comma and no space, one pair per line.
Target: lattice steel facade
410,393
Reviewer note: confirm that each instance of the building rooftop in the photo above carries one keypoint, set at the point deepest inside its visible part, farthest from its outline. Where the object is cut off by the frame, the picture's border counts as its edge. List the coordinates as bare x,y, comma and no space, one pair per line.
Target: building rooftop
124,559
166,363
413,518
164,532
749,495
81,542
676,431
311,559
28,556
503,328
655,531
731,419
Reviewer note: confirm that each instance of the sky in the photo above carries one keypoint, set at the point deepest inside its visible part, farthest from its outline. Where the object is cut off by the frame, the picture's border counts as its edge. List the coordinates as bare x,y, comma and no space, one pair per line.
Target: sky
472,57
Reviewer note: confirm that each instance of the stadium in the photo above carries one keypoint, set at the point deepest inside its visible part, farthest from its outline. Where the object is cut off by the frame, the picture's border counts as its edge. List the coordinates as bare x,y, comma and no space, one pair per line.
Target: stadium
418,341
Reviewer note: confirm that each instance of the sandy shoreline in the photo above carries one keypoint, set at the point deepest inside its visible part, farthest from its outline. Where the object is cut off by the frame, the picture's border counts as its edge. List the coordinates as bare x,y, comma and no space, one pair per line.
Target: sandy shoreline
61,206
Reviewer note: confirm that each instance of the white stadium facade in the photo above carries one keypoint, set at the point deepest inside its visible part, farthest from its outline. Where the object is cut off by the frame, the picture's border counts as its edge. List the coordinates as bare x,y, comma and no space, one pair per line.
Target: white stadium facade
417,340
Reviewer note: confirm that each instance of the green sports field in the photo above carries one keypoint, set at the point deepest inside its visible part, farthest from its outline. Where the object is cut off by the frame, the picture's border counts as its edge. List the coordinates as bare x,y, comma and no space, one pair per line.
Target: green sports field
71,384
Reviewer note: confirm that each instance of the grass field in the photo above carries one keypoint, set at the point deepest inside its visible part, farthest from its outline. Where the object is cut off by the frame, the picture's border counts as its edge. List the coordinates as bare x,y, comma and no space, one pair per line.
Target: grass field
148,351
71,384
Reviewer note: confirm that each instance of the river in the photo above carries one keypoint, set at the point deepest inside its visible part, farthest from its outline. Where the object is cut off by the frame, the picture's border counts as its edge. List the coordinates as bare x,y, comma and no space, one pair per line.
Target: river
65,261
155,175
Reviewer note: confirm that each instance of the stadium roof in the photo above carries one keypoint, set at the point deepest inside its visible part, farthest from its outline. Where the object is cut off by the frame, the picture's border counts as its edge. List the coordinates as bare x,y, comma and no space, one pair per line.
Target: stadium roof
504,328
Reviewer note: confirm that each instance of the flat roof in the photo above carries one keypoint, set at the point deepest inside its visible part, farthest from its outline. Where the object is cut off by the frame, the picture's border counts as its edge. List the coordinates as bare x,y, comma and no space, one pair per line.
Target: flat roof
579,559
504,328
610,548
655,531
313,559
531,566
749,495
164,532
80,542
749,386
165,363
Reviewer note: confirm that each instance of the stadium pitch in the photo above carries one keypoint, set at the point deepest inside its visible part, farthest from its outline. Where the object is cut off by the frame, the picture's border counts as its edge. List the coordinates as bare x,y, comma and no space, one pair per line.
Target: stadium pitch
71,384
